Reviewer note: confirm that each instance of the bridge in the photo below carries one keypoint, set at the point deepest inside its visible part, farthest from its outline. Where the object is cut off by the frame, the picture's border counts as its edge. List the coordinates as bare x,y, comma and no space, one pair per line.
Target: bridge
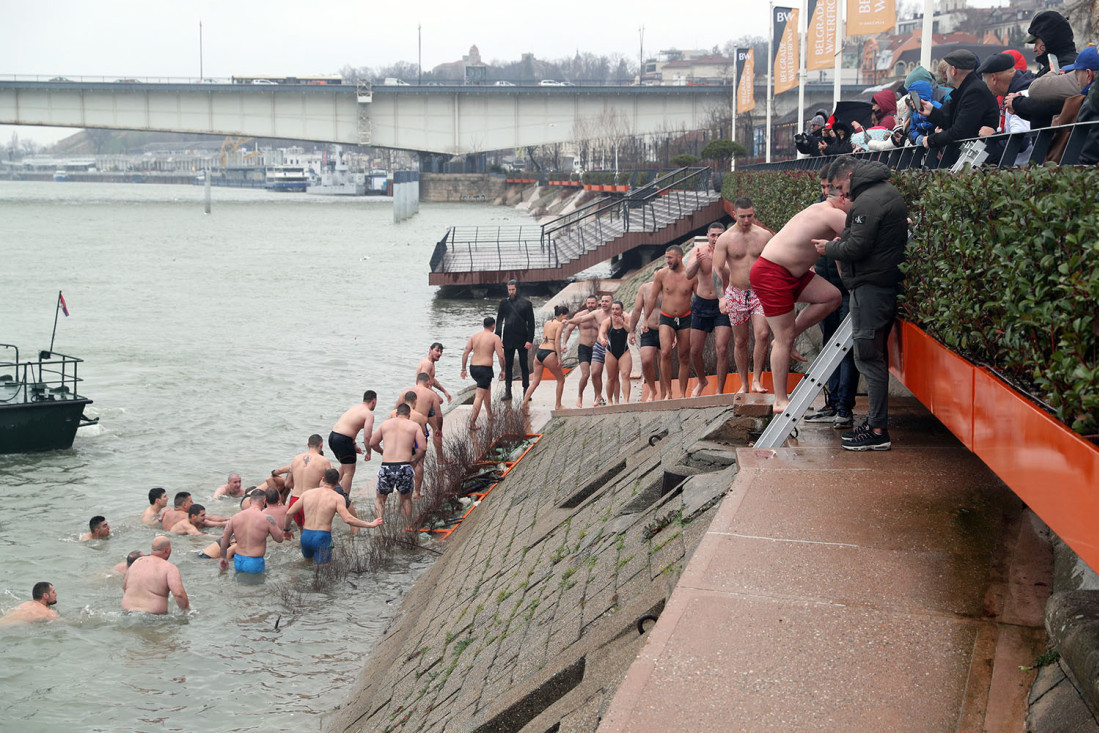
452,120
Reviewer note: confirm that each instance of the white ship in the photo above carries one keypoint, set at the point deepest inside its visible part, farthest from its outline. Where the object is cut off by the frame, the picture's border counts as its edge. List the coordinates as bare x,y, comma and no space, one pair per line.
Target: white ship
286,178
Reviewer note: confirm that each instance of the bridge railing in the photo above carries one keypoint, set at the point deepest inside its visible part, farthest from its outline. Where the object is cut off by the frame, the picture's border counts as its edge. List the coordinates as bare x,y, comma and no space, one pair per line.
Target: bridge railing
1004,150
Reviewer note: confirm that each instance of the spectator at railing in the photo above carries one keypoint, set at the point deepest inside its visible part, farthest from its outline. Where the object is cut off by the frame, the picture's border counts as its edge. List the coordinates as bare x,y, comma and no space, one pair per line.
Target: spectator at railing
896,139
836,140
1079,107
972,107
919,126
1052,35
808,143
1001,77
884,109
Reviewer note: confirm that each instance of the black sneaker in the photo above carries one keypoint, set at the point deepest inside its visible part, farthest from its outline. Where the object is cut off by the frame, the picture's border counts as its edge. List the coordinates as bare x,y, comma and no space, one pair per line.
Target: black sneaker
860,430
825,414
507,396
843,419
869,441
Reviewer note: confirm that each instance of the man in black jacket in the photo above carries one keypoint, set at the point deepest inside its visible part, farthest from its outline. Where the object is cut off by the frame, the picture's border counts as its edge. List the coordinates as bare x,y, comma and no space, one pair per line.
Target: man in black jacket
515,327
870,251
972,106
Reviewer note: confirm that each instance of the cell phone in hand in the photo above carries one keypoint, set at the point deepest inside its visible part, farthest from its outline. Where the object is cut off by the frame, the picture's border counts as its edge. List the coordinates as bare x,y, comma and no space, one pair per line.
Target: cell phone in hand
1054,64
914,100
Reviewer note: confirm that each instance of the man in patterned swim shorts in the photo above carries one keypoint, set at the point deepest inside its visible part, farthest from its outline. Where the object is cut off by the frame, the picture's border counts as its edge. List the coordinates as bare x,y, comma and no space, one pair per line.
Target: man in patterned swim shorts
734,254
396,438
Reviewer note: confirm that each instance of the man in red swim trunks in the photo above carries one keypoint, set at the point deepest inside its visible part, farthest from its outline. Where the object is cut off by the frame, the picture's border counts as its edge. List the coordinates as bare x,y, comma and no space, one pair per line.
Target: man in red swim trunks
783,275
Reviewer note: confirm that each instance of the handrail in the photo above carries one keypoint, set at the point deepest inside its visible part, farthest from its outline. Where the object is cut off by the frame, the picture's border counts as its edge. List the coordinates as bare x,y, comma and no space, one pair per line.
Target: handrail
49,378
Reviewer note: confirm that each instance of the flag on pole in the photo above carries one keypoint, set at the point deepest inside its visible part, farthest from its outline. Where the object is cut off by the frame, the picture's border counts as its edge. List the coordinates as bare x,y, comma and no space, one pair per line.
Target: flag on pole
746,85
868,17
61,302
821,45
784,29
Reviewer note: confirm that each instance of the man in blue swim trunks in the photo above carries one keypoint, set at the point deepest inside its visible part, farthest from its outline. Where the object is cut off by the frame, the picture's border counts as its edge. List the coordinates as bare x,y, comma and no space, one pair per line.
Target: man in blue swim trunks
251,527
319,506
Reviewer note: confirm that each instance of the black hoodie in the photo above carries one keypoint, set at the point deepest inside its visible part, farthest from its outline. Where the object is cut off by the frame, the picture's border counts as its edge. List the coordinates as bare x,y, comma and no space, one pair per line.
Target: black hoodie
1056,33
871,248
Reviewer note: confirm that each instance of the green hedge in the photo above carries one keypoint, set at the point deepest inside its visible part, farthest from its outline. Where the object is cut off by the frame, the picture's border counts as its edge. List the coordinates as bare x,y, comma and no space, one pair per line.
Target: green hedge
1003,269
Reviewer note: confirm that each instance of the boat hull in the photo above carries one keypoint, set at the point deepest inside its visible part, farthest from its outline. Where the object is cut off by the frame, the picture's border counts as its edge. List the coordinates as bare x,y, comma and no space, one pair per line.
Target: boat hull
40,426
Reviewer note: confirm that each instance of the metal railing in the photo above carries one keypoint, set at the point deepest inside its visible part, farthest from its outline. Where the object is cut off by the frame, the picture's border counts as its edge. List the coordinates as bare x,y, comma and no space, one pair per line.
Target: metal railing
52,377
646,209
1004,150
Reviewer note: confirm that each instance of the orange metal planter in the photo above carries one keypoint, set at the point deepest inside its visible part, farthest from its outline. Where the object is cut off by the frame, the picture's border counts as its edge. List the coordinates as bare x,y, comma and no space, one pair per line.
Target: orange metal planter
1051,468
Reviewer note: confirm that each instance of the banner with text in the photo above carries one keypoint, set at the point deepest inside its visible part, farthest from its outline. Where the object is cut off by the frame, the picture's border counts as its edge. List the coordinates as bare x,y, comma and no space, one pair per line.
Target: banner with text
784,34
745,76
868,17
820,46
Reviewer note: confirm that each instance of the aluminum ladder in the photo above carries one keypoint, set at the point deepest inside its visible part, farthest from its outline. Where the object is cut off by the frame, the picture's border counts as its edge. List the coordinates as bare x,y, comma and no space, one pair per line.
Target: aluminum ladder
831,354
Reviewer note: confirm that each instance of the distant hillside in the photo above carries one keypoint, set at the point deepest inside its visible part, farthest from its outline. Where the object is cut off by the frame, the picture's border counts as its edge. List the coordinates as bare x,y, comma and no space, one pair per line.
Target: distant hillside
111,142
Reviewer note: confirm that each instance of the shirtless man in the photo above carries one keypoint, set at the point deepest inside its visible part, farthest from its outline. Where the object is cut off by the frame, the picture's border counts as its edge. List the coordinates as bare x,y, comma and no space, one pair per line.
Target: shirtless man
342,438
158,499
650,341
99,529
430,405
783,275
306,471
251,528
319,506
706,312
275,507
483,346
735,253
194,523
232,487
151,578
427,366
588,321
44,596
183,503
672,284
122,567
421,420
397,439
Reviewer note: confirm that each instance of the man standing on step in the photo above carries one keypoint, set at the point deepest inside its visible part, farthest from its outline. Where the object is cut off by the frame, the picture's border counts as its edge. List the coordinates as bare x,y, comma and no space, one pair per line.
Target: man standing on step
515,327
707,316
672,284
870,251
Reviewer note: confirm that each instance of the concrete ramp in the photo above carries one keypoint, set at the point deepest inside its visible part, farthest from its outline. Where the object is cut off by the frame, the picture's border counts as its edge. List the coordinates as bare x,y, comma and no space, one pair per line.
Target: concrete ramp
839,591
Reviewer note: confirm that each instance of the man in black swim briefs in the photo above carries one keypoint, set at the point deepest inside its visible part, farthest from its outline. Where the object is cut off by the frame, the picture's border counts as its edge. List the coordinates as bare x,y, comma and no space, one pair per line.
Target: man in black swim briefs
483,346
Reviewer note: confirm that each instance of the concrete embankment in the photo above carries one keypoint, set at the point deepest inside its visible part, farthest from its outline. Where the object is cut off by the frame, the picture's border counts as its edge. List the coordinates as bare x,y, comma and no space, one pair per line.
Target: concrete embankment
531,616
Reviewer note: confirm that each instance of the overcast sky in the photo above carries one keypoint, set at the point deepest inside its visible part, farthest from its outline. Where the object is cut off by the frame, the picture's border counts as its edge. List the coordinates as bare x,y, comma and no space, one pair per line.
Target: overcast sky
160,38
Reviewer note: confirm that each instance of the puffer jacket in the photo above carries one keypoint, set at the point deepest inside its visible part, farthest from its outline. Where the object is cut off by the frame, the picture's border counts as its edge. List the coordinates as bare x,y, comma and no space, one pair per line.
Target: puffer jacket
872,245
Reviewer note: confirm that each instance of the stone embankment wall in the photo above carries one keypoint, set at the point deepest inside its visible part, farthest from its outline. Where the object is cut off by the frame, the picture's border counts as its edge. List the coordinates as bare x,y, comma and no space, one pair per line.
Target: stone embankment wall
471,187
531,616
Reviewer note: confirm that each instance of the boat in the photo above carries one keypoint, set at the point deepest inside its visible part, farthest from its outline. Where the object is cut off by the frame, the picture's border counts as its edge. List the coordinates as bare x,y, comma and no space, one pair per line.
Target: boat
40,409
60,175
286,178
377,183
336,179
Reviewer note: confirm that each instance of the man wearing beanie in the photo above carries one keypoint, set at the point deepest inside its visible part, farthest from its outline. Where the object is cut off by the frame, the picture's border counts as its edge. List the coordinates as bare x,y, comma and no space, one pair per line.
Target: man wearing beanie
972,107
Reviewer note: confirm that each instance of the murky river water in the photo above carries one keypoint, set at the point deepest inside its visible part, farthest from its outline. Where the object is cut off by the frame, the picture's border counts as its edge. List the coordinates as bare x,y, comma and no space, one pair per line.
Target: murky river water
211,344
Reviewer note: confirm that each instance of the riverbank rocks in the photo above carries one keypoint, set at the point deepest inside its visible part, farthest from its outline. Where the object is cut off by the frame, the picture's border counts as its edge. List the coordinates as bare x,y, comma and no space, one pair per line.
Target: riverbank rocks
532,615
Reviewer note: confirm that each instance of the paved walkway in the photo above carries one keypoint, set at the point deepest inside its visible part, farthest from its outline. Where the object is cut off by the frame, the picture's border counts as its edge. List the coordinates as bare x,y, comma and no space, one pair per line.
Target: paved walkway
836,591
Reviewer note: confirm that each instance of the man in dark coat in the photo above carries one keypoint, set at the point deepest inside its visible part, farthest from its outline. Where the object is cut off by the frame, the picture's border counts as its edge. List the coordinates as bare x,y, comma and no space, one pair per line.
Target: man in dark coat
515,327
870,252
972,106
1052,36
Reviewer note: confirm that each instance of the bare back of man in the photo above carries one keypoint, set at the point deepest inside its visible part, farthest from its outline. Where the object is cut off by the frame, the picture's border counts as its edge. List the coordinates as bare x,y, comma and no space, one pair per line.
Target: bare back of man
650,341
674,287
480,349
421,421
783,276
734,254
306,470
319,506
399,440
342,438
251,528
707,315
150,579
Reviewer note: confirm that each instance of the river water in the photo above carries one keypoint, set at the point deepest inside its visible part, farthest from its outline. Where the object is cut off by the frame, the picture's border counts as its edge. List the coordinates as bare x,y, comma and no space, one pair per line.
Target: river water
212,343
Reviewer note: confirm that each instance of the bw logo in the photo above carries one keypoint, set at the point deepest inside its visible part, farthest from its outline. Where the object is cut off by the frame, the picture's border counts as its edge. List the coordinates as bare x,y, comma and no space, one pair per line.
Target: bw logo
860,219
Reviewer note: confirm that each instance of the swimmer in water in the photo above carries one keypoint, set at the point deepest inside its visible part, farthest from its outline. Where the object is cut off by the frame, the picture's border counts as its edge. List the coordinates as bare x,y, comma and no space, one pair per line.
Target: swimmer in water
39,609
151,578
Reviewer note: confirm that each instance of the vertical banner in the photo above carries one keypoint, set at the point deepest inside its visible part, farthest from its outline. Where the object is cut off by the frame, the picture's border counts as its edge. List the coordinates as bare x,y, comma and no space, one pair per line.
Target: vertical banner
746,81
784,29
821,43
868,17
